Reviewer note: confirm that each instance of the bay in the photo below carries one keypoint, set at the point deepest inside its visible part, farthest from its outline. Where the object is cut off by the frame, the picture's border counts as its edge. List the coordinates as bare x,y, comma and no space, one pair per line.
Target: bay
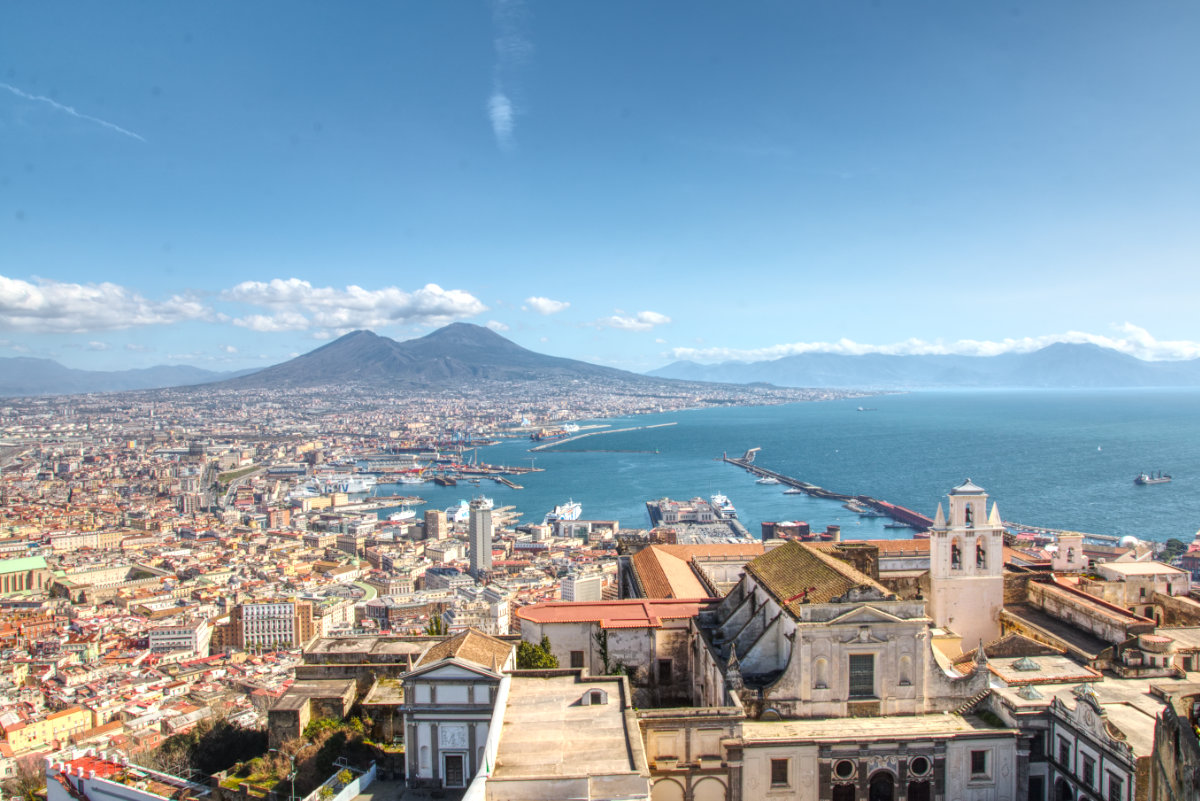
1062,459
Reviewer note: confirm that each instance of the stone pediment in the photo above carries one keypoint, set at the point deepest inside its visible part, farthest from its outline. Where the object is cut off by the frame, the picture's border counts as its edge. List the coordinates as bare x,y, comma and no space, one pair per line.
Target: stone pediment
450,668
864,615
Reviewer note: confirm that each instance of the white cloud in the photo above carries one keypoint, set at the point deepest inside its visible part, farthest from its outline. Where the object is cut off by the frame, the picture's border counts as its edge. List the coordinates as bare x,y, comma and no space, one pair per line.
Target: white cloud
496,325
136,348
500,112
544,305
228,349
513,50
53,306
68,110
97,345
642,321
1128,338
297,305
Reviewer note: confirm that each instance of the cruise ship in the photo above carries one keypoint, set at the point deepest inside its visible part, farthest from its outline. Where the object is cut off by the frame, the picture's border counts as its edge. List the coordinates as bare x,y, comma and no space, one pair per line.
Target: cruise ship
349,484
462,512
571,510
723,507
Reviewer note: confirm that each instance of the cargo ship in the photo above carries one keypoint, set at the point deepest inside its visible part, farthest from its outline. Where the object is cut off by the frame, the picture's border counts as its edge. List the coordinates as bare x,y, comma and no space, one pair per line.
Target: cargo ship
554,433
1151,478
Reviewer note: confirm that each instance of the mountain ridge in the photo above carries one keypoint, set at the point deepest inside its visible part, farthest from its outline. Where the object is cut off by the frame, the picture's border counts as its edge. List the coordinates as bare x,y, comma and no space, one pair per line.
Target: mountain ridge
1061,365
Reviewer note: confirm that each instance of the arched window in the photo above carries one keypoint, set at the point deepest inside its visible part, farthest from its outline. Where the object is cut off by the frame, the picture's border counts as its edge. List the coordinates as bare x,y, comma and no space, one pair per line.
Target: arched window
955,555
980,553
968,515
424,757
882,787
1070,554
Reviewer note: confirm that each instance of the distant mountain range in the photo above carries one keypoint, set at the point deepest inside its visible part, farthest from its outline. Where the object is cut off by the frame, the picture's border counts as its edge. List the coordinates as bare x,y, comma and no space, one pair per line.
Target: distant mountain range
457,354
462,353
1058,366
23,375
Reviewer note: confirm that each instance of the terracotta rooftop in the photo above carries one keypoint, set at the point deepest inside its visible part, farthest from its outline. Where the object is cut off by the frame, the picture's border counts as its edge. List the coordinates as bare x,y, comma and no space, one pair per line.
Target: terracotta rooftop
665,570
909,547
473,646
631,614
794,572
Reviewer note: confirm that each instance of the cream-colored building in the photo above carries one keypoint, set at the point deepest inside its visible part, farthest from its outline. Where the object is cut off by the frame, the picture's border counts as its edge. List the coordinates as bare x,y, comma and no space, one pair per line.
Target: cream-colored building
966,566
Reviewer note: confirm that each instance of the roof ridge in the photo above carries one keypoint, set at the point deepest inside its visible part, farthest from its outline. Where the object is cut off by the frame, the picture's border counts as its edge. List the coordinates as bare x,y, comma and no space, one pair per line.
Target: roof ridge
848,570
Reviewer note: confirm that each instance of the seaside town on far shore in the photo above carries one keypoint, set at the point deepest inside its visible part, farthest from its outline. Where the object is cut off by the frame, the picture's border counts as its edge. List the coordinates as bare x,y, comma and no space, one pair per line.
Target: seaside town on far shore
178,563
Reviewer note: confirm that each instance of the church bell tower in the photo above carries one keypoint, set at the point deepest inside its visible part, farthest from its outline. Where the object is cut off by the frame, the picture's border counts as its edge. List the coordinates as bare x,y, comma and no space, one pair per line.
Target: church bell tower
966,566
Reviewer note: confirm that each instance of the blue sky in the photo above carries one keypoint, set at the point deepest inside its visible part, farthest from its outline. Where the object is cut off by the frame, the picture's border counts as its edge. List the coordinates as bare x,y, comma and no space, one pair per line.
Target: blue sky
228,184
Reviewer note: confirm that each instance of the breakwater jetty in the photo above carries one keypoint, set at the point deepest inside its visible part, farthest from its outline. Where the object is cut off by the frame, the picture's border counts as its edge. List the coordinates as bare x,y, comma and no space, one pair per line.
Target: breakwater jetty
577,437
898,513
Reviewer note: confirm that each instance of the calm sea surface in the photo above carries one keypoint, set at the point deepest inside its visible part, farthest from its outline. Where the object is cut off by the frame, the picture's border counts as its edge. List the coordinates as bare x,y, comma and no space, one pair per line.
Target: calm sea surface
1059,459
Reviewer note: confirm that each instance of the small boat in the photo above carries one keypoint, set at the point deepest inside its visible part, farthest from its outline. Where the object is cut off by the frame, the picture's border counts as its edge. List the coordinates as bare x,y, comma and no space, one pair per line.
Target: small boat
793,491
896,524
767,480
1152,478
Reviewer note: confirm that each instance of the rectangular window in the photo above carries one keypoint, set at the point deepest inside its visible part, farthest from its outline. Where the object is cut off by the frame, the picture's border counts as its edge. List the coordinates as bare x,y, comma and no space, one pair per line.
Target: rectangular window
779,773
862,675
577,659
1037,746
979,763
1089,771
664,671
1115,787
1064,752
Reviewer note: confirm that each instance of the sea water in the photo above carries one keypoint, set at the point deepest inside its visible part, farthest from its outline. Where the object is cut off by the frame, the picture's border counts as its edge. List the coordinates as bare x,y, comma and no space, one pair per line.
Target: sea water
1061,459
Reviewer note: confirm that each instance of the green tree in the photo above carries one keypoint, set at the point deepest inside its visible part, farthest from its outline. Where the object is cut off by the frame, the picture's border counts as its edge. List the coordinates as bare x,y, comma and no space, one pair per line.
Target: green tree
1173,549
536,657
436,627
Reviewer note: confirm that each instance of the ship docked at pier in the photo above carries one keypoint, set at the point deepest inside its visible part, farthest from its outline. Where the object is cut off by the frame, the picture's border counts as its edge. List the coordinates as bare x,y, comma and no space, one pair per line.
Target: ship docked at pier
571,510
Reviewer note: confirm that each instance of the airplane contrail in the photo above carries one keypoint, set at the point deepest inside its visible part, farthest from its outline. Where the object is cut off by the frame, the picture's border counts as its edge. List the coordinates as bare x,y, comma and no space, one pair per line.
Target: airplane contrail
71,111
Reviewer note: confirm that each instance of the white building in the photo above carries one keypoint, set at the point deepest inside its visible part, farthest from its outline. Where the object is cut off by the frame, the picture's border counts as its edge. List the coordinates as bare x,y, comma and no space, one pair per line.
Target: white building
479,535
449,698
193,636
278,624
582,586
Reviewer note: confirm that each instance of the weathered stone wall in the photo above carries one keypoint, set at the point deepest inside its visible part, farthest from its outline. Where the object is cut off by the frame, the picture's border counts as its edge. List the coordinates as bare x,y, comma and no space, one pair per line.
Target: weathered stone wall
1177,610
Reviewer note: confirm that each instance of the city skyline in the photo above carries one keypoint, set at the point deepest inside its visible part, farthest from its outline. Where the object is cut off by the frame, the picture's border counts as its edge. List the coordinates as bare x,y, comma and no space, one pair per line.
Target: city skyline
228,187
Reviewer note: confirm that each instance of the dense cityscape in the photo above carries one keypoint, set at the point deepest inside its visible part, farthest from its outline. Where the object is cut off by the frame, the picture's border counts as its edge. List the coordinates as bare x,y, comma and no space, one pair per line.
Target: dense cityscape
199,564
539,401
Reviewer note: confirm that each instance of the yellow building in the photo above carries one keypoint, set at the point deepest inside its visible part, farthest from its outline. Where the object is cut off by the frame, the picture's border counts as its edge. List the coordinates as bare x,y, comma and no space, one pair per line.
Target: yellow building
57,726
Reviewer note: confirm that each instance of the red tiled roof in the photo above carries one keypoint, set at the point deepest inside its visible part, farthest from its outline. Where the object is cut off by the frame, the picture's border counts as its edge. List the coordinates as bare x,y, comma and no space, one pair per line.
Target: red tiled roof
631,614
665,570
103,767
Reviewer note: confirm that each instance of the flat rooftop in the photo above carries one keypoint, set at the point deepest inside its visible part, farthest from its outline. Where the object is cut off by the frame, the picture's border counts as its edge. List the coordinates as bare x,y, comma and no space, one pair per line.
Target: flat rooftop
1050,670
903,727
301,690
365,646
548,733
1082,642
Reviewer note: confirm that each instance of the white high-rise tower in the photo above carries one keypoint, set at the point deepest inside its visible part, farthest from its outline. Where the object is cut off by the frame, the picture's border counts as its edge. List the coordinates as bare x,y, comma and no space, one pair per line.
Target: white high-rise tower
966,567
479,535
